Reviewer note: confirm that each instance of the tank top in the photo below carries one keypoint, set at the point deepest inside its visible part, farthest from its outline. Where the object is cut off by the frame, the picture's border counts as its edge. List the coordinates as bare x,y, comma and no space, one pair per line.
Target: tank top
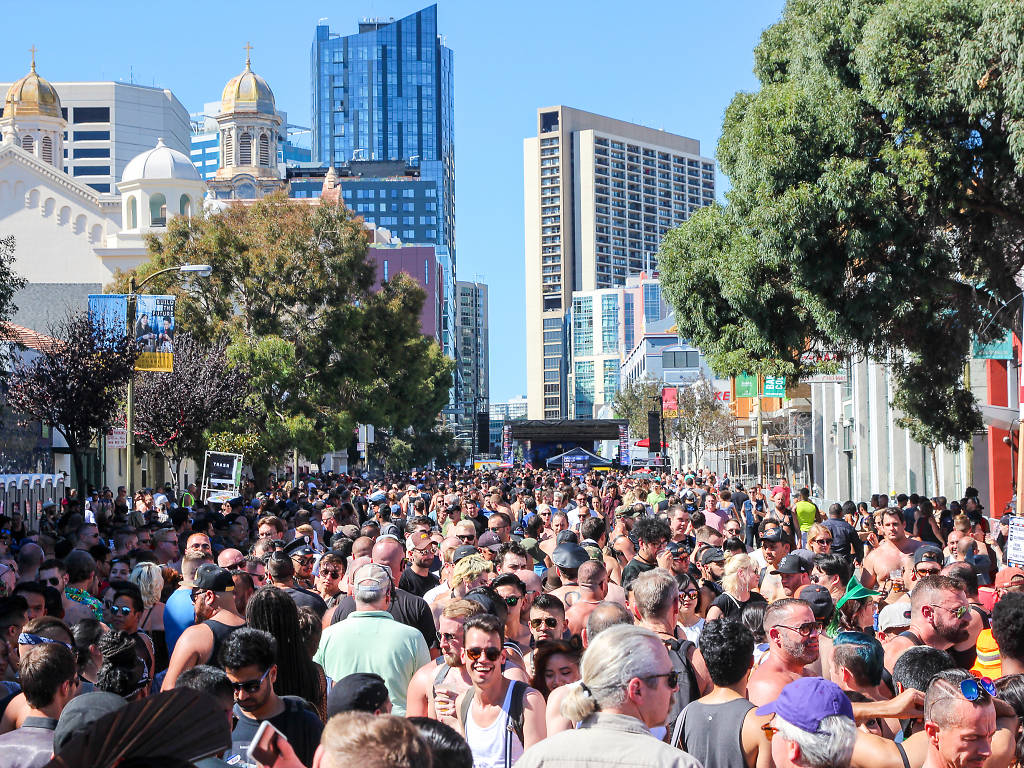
713,733
220,634
497,745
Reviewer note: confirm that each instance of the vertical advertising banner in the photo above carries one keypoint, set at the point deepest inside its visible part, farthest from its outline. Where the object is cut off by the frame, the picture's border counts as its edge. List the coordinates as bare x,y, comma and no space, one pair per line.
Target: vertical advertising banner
109,311
670,402
624,445
154,333
506,443
774,386
746,385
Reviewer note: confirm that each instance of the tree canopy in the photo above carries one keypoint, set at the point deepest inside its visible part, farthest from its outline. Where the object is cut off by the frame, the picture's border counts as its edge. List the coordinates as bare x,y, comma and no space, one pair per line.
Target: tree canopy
876,200
293,291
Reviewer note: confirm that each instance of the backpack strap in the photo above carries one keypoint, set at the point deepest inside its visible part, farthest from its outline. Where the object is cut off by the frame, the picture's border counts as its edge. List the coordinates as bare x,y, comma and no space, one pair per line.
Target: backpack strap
678,732
516,708
439,675
467,702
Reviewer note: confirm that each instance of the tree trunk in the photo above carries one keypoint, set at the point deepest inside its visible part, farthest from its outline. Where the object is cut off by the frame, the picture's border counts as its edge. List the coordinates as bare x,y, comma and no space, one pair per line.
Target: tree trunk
76,462
935,470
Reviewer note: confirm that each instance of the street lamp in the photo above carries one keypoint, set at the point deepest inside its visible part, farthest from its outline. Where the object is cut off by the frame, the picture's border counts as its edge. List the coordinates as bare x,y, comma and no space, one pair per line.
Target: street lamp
200,270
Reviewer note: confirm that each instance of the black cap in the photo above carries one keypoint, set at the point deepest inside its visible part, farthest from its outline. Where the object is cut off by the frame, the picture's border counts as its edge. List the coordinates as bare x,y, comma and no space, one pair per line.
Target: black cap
81,712
298,547
358,692
214,578
790,564
569,555
820,600
567,536
774,537
928,553
675,547
464,551
711,555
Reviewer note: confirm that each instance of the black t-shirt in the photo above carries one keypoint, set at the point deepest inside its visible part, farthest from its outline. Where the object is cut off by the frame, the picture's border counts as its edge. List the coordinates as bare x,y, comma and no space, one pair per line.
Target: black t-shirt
305,597
417,585
731,608
634,568
406,607
298,722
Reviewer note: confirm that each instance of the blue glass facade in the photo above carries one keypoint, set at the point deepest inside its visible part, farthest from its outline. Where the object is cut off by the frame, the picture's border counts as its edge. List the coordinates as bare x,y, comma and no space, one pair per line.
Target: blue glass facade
385,93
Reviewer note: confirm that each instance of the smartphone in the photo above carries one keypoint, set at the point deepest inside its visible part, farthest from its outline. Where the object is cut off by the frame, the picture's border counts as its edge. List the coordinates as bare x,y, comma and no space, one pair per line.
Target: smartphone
264,749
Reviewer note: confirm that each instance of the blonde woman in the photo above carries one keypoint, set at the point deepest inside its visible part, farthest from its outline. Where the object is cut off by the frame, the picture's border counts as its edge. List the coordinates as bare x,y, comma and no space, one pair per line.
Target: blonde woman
148,577
737,589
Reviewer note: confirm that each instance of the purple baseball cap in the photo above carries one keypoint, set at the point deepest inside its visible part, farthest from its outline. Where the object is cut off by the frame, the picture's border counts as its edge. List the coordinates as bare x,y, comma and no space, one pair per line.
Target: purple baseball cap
807,701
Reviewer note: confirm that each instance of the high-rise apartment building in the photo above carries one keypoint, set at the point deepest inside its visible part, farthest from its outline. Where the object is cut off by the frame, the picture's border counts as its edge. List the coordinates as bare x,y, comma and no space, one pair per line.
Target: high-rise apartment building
473,347
110,123
600,194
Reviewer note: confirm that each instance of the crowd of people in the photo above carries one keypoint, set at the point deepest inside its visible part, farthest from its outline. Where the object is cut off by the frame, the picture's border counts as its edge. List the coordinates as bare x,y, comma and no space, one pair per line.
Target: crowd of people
511,618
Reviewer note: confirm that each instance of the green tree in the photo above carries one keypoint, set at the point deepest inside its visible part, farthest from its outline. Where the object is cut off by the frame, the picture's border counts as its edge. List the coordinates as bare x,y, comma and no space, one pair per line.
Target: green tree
876,200
293,291
635,399
703,420
10,284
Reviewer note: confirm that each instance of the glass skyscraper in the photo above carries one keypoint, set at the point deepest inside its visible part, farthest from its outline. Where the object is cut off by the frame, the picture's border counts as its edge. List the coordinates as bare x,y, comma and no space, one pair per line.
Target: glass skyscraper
385,93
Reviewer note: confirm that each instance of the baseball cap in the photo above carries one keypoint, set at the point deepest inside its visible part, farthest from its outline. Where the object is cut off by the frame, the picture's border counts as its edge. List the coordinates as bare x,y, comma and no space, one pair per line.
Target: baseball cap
807,701
790,564
678,547
928,553
464,551
350,531
489,540
1005,577
214,578
820,600
773,537
372,574
567,536
894,616
359,692
711,555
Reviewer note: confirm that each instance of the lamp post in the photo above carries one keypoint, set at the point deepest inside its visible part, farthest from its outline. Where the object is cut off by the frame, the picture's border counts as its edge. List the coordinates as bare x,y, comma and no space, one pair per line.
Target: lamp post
201,270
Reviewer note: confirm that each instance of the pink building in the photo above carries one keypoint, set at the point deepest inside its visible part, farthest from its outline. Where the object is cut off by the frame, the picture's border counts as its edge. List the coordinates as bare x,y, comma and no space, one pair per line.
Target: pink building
421,264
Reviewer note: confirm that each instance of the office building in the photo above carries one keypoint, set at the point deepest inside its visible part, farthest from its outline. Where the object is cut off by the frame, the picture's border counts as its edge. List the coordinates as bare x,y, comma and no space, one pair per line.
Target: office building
600,194
512,410
385,93
107,124
473,346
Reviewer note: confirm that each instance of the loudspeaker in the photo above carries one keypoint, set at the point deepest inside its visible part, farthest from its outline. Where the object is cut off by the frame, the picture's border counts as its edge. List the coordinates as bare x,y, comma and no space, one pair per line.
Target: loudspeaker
654,432
483,432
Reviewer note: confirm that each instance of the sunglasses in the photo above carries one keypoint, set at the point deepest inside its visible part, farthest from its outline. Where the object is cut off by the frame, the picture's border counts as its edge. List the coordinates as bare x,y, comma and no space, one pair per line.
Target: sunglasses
250,686
769,730
120,610
821,541
958,613
804,630
547,621
467,537
922,572
53,581
512,600
690,594
972,687
672,678
330,573
446,636
490,652
308,560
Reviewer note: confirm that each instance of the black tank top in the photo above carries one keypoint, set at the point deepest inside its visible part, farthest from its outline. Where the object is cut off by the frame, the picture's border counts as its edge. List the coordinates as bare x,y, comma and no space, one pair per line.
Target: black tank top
220,634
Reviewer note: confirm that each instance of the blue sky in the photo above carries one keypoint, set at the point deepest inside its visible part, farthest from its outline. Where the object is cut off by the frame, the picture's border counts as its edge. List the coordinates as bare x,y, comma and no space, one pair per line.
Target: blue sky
673,65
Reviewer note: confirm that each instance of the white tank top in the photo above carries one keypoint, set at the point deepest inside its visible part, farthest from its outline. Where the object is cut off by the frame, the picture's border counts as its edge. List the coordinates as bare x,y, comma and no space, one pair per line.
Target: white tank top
488,744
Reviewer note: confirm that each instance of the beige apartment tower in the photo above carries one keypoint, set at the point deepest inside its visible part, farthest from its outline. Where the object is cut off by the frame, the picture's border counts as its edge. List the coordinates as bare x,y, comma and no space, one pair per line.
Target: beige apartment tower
600,194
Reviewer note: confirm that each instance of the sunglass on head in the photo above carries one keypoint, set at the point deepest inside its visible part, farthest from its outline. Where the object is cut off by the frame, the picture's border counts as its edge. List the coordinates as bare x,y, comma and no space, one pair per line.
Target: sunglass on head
490,652
250,686
547,621
972,687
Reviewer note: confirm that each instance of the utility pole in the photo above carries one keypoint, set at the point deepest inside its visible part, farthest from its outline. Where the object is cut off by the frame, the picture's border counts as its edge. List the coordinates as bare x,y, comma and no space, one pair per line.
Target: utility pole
760,442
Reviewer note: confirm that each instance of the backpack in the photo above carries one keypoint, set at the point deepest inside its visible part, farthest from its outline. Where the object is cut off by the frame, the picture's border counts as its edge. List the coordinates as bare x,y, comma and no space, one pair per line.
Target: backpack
680,652
515,715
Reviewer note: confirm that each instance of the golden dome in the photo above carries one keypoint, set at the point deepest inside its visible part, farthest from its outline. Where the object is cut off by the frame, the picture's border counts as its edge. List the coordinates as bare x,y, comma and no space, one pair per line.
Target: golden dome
247,92
32,95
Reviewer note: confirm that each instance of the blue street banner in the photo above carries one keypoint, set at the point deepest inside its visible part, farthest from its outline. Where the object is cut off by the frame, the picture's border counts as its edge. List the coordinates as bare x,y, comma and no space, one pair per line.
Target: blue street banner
154,333
624,445
109,311
506,443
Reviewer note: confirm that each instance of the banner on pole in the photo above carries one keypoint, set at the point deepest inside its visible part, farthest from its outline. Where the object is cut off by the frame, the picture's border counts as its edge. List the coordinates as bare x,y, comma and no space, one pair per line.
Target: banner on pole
774,386
624,445
670,402
154,333
506,443
1000,349
222,476
1015,543
746,385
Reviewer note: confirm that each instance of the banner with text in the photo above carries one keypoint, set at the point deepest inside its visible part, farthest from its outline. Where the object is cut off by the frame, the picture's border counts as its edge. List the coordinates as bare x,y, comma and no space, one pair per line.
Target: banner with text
670,402
154,333
624,445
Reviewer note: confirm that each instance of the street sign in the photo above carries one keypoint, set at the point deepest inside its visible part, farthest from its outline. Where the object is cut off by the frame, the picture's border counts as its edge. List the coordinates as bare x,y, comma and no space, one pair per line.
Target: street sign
774,386
222,476
117,438
1015,542
816,358
1000,349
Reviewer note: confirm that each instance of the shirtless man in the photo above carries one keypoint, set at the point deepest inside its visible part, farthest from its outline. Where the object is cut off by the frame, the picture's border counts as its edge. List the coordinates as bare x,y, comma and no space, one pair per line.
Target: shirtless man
217,614
559,523
593,588
793,644
939,617
568,558
888,556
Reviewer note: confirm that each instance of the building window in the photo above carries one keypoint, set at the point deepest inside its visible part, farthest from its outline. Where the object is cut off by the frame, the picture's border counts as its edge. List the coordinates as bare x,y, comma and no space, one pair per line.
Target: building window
680,359
652,302
551,375
245,149
185,205
583,326
87,152
229,148
92,114
610,379
583,382
27,143
609,324
133,215
385,270
264,151
91,135
91,170
46,150
628,320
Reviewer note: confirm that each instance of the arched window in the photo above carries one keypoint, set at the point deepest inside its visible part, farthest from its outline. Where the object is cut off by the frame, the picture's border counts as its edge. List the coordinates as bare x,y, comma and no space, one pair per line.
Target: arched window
46,150
133,214
158,210
245,149
185,205
27,143
229,149
265,151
